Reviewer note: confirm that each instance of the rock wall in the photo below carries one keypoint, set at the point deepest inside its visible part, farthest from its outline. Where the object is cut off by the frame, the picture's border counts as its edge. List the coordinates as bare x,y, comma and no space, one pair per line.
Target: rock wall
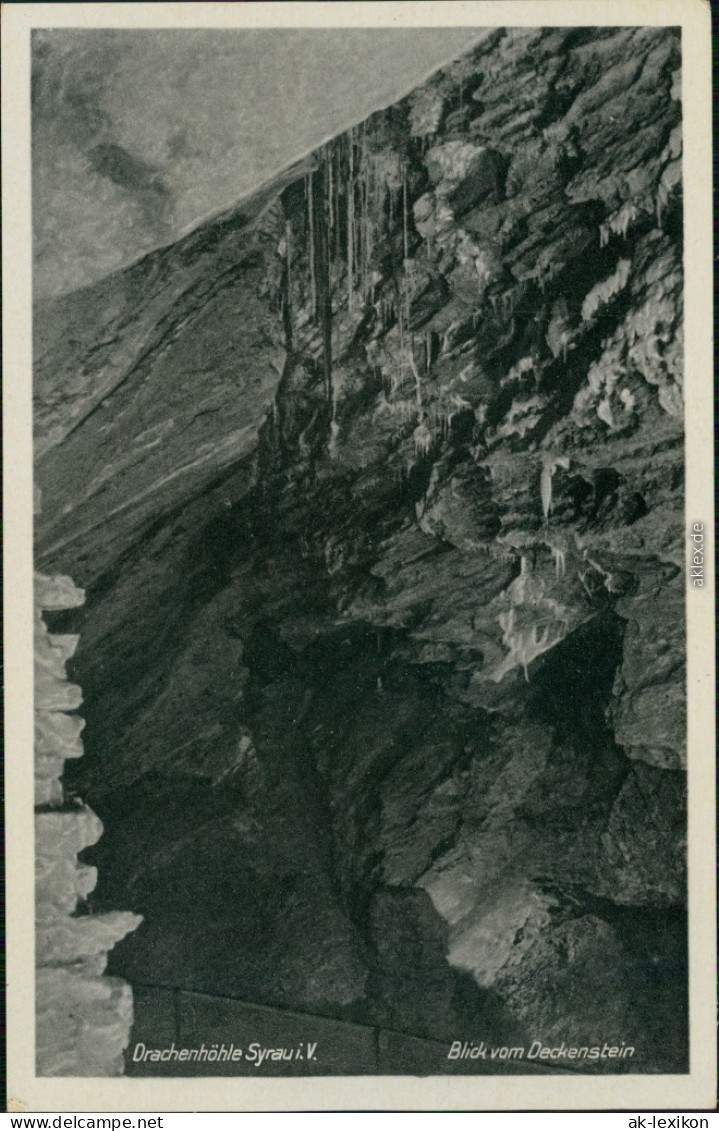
83,1019
376,489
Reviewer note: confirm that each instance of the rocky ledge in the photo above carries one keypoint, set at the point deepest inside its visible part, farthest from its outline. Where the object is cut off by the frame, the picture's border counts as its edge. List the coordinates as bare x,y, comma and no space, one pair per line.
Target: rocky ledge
83,1018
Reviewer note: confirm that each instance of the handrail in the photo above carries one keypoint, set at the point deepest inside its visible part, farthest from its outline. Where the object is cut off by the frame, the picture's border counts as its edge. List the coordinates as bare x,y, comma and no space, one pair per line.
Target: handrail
505,1066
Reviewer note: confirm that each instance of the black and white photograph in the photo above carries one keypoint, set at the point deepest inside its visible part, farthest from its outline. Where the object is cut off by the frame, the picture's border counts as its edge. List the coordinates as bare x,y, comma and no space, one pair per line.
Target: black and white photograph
362,549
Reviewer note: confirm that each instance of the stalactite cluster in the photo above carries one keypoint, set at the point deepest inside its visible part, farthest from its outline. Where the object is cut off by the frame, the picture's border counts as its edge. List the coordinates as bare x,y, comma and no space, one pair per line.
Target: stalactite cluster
352,201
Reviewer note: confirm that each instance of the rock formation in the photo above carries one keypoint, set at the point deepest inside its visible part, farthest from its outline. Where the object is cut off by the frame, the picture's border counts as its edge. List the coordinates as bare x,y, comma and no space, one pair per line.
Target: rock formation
375,486
83,1019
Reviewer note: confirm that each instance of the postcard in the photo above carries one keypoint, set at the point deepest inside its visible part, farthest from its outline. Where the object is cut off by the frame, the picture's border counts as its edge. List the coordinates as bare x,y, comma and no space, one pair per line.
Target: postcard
359,531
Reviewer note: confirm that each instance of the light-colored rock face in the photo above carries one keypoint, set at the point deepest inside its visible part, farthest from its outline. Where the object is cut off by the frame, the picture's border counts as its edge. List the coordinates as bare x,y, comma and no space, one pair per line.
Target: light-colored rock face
139,135
395,681
83,1018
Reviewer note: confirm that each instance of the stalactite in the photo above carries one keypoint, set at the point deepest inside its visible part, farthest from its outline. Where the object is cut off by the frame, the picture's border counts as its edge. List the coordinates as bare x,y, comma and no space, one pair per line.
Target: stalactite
422,439
362,226
367,221
367,218
334,426
310,211
417,378
392,213
560,560
288,247
405,228
330,197
338,184
334,438
407,304
400,326
368,227
380,189
350,224
83,1018
322,281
